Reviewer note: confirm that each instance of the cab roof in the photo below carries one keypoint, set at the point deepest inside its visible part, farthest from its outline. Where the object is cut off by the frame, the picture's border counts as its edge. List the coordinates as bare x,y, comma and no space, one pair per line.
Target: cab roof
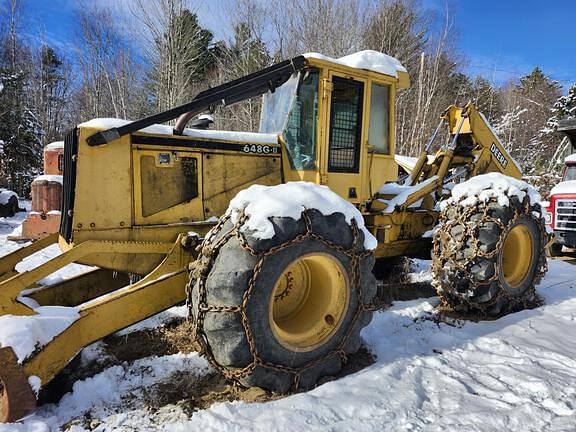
369,60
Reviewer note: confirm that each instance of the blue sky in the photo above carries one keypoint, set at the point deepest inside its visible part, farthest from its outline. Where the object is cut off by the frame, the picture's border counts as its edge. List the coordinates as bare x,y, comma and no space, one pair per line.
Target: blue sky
499,39
507,38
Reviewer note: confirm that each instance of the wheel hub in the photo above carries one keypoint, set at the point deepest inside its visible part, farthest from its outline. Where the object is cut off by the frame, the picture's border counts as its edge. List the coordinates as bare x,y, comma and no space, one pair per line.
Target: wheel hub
517,255
309,301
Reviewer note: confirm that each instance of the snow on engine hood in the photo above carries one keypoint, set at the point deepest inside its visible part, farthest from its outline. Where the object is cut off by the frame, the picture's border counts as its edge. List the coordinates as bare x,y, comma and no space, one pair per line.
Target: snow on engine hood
243,137
567,187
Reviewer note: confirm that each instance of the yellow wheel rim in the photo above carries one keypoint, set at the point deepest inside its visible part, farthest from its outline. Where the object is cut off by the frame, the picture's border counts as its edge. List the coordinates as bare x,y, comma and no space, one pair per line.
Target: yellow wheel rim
309,302
517,255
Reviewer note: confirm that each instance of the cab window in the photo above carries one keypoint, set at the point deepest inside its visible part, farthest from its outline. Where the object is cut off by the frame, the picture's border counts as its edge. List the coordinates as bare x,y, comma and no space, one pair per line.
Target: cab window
570,173
345,125
300,133
379,118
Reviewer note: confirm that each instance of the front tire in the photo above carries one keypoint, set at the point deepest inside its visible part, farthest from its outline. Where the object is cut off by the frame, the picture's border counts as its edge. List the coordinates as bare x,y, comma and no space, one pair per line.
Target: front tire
282,313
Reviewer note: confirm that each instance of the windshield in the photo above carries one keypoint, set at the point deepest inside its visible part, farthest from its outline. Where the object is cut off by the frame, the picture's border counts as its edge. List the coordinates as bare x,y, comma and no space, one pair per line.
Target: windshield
293,110
276,106
300,132
570,173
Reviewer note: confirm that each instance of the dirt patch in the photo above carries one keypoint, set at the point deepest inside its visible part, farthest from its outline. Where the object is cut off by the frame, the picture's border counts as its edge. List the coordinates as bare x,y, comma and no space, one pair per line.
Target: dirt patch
185,389
139,344
179,337
192,392
116,350
448,315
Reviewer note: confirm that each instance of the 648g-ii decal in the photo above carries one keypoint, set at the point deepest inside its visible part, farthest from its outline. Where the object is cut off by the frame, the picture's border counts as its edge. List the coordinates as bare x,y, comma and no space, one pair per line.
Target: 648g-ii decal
260,149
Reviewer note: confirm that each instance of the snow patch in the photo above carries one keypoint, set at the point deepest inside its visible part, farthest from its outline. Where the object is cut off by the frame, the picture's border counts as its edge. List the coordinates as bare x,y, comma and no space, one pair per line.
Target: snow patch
206,117
402,193
406,162
5,196
243,137
368,59
158,320
25,333
567,187
260,203
50,178
113,394
484,187
56,145
35,383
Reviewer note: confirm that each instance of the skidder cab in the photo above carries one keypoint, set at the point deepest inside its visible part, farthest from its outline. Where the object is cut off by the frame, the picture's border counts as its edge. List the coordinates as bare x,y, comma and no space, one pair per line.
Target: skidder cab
270,237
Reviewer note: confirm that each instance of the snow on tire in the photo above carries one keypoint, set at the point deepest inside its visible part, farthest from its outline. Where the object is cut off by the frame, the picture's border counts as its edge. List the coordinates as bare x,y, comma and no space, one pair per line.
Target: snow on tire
489,248
281,309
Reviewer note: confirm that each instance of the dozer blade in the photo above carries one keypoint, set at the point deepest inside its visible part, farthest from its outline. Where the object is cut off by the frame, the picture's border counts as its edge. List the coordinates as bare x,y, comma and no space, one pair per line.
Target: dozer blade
16,396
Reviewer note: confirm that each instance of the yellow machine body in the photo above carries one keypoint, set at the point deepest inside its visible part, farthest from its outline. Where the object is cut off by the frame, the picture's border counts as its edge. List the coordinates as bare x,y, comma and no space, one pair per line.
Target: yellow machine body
140,203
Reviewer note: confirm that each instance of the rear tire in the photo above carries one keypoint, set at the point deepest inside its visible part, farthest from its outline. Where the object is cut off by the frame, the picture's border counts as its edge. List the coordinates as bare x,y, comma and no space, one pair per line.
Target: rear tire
555,249
488,257
282,313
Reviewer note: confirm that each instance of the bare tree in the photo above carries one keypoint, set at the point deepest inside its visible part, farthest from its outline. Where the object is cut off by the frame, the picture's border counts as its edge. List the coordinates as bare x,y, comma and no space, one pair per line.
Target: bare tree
51,86
177,47
398,28
111,78
331,27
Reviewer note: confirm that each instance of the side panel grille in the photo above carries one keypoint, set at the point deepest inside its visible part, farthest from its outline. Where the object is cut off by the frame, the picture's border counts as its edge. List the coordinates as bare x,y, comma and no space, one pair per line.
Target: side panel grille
565,215
70,152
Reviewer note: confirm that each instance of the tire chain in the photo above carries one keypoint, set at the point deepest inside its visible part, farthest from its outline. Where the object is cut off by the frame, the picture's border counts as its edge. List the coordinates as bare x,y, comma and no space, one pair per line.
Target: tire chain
200,269
442,255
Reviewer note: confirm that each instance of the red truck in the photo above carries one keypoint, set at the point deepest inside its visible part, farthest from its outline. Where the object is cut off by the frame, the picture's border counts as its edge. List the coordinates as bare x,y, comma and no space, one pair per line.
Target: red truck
561,211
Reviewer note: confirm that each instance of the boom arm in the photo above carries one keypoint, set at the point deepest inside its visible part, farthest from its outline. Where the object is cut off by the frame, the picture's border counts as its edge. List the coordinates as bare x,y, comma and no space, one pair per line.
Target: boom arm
473,149
472,138
494,156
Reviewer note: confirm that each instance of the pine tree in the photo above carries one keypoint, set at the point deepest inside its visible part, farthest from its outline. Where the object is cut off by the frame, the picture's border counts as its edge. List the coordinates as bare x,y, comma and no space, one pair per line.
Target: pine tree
246,54
20,132
564,108
527,106
50,86
182,57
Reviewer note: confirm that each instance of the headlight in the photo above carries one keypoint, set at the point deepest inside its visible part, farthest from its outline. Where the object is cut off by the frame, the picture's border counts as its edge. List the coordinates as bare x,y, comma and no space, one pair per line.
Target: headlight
548,218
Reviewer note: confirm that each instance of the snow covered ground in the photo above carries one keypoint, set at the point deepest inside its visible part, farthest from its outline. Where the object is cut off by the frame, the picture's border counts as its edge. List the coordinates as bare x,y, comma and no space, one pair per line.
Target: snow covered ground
517,373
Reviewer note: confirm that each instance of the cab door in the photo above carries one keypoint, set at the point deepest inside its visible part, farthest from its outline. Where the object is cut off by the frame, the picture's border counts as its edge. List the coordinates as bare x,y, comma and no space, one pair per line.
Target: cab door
345,158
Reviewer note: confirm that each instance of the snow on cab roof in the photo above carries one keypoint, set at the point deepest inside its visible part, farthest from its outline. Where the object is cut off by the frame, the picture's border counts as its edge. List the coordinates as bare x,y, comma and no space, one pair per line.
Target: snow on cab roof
570,159
368,59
